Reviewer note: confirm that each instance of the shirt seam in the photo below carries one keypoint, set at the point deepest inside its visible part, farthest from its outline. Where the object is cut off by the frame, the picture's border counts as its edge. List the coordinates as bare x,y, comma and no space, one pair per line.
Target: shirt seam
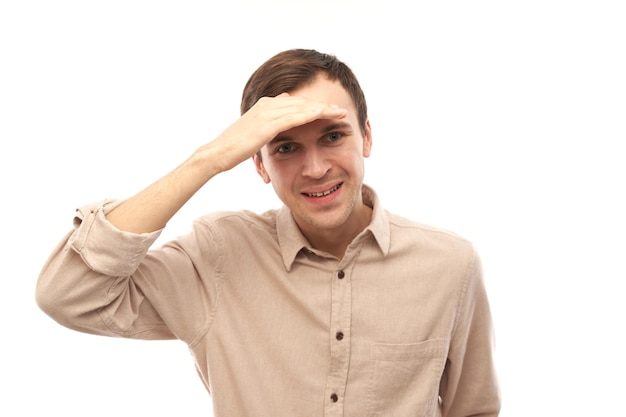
219,279
213,226
462,296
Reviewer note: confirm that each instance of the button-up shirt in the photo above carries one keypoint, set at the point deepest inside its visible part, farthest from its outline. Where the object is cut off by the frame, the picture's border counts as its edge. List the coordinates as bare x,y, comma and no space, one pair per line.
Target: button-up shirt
400,326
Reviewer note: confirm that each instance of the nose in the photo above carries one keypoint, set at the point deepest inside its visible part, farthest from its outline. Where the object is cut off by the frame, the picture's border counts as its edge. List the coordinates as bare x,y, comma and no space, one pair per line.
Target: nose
315,164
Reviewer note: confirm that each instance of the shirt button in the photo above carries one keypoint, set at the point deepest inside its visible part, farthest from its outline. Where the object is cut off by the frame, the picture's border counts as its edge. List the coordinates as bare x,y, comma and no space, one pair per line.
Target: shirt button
340,275
339,335
333,397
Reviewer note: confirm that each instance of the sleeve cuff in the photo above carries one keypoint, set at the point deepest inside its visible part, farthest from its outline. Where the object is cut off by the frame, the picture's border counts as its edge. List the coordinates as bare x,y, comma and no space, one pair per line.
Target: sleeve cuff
103,247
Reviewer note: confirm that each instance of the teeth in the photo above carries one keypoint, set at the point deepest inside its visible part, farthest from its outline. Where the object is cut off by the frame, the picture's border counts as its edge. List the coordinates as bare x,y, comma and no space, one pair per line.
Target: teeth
332,190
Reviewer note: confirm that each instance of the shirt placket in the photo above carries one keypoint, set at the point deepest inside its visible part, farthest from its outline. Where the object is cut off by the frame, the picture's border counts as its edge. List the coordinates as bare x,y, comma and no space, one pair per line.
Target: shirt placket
341,308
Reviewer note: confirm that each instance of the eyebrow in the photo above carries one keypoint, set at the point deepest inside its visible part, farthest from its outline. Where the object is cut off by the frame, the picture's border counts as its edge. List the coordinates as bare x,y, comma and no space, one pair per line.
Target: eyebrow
323,131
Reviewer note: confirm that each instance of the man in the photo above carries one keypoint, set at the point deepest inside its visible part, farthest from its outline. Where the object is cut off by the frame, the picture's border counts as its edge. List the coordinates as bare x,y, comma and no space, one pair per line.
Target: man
327,306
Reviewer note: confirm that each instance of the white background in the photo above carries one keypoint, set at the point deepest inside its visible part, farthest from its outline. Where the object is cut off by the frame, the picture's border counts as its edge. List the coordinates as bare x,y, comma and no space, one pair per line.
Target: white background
502,121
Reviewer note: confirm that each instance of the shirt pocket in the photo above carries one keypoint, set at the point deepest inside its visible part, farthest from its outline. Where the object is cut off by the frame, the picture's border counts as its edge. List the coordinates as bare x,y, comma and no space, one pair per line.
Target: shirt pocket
404,378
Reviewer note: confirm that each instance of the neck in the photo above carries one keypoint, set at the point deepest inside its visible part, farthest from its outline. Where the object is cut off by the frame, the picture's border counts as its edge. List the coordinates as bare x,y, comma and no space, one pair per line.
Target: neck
335,241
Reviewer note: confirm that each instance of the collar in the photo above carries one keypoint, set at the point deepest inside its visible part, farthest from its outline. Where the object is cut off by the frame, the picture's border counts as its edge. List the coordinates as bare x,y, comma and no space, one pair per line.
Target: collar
292,241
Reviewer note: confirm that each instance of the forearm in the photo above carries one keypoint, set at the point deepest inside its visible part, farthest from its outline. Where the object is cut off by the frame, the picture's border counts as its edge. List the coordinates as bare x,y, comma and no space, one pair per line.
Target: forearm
151,209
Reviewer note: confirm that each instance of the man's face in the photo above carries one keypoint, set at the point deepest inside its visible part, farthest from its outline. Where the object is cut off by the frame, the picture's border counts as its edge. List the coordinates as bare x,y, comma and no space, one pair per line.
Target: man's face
317,169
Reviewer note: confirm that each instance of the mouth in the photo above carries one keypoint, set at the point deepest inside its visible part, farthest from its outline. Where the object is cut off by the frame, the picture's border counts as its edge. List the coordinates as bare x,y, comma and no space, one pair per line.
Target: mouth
324,193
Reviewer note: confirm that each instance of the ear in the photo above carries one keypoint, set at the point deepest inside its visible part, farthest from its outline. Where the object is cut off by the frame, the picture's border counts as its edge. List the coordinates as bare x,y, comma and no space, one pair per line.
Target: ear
367,139
260,169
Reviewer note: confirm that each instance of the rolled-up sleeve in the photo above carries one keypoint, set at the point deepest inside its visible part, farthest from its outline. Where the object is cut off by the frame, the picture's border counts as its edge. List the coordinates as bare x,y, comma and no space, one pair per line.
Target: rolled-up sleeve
105,281
104,248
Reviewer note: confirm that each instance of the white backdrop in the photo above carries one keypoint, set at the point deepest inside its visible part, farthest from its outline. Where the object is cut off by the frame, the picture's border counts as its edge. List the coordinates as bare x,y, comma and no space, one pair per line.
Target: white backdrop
502,121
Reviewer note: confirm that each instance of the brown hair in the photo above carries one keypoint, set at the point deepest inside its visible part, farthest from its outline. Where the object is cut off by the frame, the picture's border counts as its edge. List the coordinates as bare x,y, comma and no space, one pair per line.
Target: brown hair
294,68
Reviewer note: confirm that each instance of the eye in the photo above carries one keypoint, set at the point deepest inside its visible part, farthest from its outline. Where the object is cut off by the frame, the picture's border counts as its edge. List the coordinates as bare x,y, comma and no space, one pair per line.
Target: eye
285,148
334,136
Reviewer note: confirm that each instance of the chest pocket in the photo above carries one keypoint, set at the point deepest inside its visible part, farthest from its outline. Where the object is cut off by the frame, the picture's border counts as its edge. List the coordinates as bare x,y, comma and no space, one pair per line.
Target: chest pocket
404,379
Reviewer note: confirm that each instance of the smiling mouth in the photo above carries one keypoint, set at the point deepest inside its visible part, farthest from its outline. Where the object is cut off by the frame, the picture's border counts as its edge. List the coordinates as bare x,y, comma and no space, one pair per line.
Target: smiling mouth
324,193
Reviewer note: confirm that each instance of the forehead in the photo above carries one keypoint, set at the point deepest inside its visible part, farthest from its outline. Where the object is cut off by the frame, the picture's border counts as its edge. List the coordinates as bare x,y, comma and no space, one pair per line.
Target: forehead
327,91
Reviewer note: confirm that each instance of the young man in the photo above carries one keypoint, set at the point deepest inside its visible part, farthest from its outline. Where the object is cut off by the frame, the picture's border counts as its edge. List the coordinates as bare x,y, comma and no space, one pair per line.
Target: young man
327,306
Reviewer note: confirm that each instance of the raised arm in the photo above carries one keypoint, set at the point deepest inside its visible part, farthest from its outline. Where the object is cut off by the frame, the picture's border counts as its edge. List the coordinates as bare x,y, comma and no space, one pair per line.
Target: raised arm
102,279
152,208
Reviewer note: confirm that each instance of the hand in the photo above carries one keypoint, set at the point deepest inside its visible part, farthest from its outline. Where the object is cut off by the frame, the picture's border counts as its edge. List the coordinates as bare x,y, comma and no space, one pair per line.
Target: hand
263,122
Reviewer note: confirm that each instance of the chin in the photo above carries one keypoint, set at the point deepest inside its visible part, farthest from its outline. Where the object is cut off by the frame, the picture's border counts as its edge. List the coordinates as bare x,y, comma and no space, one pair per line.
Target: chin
325,220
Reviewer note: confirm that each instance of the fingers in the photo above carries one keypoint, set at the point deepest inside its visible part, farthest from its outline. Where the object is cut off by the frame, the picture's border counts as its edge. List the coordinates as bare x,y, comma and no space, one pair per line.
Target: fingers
264,121
285,112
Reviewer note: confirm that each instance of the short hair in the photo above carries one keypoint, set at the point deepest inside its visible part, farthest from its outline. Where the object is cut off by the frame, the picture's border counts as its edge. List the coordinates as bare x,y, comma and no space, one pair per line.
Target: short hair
295,68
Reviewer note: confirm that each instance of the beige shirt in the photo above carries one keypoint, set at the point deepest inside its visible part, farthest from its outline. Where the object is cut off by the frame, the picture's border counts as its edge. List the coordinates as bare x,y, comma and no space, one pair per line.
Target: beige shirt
399,327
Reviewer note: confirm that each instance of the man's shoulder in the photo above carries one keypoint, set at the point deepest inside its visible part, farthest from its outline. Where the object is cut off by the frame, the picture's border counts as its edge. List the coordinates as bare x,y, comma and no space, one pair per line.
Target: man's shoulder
419,233
242,219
